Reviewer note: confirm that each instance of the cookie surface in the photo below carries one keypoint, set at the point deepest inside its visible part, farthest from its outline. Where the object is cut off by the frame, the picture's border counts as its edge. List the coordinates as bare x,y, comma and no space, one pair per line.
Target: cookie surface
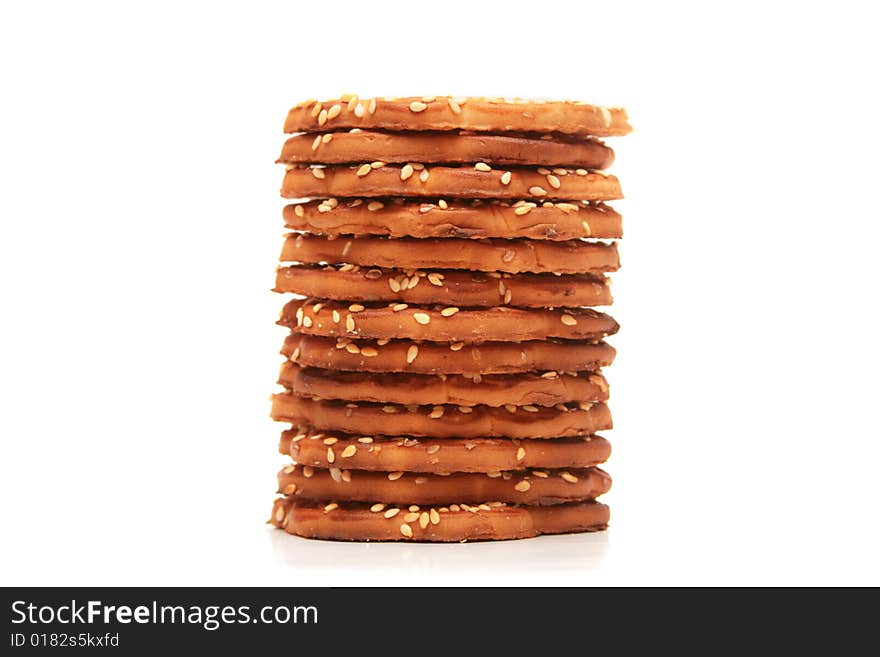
397,217
453,389
446,287
493,521
540,356
446,422
445,148
404,488
462,113
504,324
443,181
308,448
508,256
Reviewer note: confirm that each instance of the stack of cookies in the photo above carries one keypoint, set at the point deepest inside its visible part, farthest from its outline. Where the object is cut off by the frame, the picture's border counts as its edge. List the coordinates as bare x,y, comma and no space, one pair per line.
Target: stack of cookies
443,369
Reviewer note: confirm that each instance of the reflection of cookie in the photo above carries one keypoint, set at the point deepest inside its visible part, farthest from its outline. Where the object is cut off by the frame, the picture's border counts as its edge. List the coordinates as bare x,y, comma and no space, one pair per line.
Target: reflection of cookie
444,421
456,182
406,454
445,325
557,487
397,217
455,389
447,358
453,523
509,256
458,113
447,287
448,148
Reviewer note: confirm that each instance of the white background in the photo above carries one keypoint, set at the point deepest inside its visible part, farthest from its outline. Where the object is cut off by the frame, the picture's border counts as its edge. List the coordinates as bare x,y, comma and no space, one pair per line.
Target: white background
141,224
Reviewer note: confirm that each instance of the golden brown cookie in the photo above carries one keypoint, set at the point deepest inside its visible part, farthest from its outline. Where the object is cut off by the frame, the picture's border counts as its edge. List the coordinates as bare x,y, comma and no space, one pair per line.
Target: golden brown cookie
455,389
445,421
492,521
446,287
308,447
540,356
474,219
445,148
453,182
458,113
509,256
523,487
449,324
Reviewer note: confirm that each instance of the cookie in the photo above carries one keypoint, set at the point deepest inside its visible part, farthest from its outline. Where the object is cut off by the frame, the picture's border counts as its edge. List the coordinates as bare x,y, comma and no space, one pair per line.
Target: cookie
447,358
458,113
492,521
445,148
308,447
508,256
458,390
445,421
444,181
405,488
505,324
475,219
446,287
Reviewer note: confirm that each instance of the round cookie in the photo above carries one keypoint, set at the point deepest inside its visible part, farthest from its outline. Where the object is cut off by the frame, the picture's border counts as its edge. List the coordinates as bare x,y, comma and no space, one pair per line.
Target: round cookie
458,113
440,181
454,389
444,421
414,488
447,358
503,323
492,521
445,148
472,219
508,256
406,454
446,287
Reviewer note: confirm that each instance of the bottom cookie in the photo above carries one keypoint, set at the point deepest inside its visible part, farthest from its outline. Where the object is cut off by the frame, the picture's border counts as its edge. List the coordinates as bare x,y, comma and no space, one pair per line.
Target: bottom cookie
493,521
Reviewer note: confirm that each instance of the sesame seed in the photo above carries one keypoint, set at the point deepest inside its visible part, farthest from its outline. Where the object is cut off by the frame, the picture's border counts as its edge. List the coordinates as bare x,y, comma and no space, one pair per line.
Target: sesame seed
484,507
429,99
520,454
406,171
456,346
508,255
372,206
420,480
411,353
371,108
355,308
435,414
389,409
454,106
540,473
316,108
465,409
334,111
449,312
585,406
307,322
510,408
336,474
377,507
377,164
365,439
555,183
349,323
587,230
537,191
359,111
330,441
349,451
505,178
383,341
298,211
318,173
523,209
549,375
411,517
482,166
346,476
336,317
316,308
522,486
417,106
422,318
327,138
570,478
544,171
279,513
331,457
290,489
394,476
316,143
454,507
426,207
331,507
413,507
352,101
423,176
581,172
424,519
364,170
294,355
530,409
433,449
397,307
394,284
606,116
390,513
508,296
322,117
406,530
346,248
308,471
568,207
568,320
443,204
369,352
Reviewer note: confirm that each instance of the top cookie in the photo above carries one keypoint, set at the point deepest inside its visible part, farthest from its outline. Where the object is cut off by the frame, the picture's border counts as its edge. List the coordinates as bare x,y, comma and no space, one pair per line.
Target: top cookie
450,113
